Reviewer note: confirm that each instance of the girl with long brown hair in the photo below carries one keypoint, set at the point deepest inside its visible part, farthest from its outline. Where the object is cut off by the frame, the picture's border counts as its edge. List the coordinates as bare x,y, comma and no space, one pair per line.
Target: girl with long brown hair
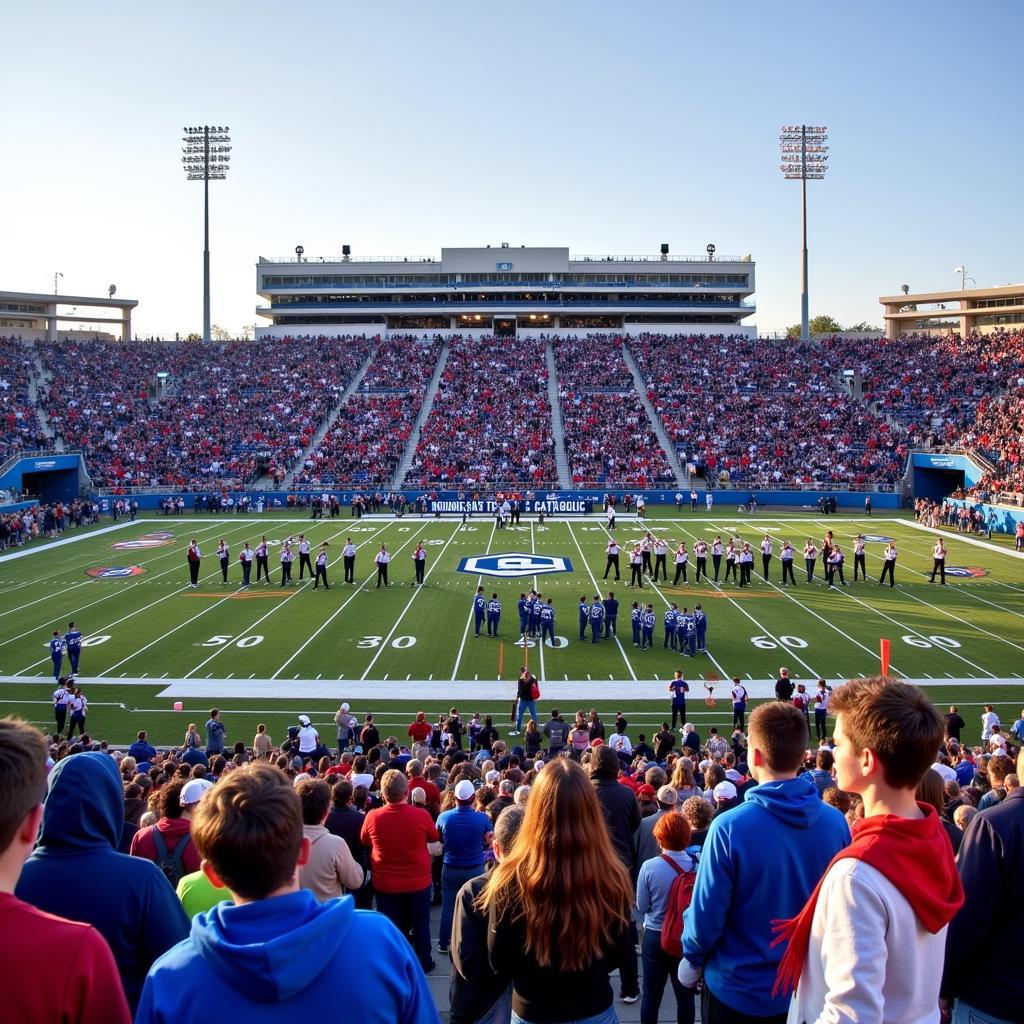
558,905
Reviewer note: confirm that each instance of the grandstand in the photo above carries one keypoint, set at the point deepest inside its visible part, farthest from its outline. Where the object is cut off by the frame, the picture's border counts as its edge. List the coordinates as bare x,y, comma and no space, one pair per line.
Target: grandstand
593,409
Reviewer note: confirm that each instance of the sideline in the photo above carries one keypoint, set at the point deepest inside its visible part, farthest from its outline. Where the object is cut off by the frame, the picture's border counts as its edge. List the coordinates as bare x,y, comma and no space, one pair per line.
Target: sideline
461,690
26,551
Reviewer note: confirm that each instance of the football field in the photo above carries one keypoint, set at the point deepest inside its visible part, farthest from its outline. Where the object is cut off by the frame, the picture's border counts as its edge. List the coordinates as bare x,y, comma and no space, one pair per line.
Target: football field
266,653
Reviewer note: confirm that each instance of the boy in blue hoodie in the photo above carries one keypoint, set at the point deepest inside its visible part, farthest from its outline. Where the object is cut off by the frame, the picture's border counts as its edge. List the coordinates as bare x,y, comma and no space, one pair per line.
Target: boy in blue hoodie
760,863
274,952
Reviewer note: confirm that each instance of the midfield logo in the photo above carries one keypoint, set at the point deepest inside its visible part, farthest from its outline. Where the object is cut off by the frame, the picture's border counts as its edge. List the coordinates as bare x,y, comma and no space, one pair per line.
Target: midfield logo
513,563
114,572
966,572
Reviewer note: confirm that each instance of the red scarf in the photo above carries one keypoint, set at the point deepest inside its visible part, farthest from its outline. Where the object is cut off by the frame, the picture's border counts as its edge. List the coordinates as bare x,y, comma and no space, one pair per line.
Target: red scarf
914,854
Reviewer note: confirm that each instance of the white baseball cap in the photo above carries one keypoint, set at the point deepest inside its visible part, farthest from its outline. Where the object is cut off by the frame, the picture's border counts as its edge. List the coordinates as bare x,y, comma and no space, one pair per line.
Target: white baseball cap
725,791
344,707
303,719
464,790
193,790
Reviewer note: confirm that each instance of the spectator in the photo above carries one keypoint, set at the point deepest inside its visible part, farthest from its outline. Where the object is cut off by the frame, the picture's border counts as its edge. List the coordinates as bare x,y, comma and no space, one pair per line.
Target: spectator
727,928
653,888
274,951
85,986
142,749
646,843
558,952
478,995
622,816
868,943
168,843
402,839
331,868
127,899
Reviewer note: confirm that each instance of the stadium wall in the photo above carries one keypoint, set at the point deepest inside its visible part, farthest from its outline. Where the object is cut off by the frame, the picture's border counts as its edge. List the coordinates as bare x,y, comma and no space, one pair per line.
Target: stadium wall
1005,519
724,501
53,477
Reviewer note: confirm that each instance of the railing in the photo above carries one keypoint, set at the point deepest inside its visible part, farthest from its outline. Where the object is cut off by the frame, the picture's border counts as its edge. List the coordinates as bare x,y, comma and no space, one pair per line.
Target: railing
506,254
18,456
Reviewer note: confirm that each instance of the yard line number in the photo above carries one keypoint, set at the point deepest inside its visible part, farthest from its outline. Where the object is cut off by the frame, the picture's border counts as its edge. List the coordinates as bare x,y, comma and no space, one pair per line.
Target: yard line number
399,643
766,643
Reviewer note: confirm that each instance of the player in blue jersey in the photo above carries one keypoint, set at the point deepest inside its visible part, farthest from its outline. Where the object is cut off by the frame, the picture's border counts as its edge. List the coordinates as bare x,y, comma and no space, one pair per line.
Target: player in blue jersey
595,613
647,621
584,610
547,622
73,644
635,615
611,614
535,616
56,653
687,628
493,615
523,606
479,610
701,622
671,615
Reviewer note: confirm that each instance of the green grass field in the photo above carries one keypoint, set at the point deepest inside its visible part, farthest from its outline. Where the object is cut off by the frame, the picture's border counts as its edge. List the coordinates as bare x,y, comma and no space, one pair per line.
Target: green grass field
269,653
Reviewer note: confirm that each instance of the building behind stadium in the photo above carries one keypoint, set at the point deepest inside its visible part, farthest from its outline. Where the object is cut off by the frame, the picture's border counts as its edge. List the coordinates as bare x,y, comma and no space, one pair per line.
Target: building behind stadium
506,292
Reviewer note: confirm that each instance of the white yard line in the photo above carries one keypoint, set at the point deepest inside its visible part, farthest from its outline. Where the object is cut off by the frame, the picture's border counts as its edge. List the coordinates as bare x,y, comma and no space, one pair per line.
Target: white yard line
540,645
24,552
334,614
469,618
593,579
416,593
966,539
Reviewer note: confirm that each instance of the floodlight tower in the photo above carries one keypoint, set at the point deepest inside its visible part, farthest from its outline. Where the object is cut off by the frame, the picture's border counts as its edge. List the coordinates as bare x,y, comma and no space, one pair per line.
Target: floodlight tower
804,157
206,152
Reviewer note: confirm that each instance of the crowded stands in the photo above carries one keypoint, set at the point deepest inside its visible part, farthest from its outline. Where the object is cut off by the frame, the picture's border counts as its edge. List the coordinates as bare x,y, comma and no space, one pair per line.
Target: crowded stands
491,419
20,429
762,414
608,437
366,439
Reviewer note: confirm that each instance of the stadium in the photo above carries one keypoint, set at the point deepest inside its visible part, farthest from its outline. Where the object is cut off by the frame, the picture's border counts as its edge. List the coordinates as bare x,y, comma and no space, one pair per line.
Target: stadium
509,540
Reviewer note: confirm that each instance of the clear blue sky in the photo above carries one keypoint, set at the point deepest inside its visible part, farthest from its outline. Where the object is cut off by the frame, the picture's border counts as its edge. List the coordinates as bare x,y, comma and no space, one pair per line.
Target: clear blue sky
609,127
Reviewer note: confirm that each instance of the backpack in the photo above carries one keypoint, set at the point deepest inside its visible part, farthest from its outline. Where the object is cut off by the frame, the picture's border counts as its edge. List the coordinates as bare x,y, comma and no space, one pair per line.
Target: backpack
534,690
170,861
679,898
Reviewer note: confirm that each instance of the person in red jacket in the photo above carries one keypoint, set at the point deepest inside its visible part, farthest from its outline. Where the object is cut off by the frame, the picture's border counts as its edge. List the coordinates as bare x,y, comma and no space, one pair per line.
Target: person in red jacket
178,799
56,970
401,840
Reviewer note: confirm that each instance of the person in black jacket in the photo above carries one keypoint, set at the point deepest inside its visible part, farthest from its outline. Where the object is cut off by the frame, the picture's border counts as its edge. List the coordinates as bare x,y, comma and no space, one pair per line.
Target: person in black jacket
345,821
784,685
622,816
476,991
982,969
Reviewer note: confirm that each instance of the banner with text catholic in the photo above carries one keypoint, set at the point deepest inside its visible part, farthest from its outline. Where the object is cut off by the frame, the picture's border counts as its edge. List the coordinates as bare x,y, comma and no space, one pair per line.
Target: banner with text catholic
488,506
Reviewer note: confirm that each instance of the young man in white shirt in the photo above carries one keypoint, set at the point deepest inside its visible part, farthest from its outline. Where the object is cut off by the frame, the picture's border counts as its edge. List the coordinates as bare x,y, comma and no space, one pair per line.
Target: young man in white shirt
869,943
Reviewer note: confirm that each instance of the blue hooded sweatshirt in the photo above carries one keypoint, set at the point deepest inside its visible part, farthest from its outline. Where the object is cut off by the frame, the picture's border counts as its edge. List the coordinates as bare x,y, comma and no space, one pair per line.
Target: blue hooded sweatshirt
76,872
760,863
289,958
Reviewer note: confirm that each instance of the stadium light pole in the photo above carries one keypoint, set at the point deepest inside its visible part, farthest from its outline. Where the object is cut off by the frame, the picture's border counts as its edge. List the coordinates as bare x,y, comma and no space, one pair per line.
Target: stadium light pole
206,152
804,157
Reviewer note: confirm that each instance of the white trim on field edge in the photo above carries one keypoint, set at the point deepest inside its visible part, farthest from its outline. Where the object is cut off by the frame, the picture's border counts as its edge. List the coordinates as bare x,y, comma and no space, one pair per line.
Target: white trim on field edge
459,690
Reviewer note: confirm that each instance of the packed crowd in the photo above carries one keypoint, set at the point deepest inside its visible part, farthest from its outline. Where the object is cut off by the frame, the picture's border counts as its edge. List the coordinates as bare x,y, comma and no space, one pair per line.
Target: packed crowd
934,387
665,830
762,414
997,432
228,413
45,520
608,437
20,429
367,438
491,419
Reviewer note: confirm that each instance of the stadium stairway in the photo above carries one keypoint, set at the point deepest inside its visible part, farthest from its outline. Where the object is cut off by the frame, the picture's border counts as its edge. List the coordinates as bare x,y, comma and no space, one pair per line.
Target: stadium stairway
405,463
289,479
557,427
682,480
37,377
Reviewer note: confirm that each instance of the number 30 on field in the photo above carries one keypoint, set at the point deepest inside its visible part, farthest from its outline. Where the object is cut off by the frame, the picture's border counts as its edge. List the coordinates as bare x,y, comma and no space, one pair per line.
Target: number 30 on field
399,643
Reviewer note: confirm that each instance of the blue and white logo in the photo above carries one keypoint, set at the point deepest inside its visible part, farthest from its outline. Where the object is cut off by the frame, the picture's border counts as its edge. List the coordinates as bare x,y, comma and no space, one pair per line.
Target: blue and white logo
504,266
513,563
877,538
